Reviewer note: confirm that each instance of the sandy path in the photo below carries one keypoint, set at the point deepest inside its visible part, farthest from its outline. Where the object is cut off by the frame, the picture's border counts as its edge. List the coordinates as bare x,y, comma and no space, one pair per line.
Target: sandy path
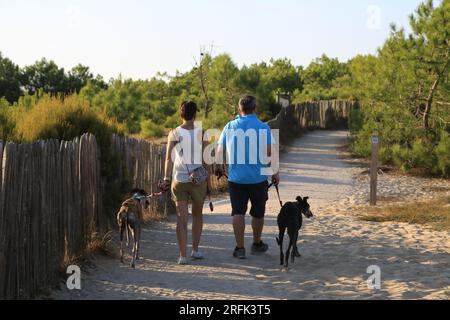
336,248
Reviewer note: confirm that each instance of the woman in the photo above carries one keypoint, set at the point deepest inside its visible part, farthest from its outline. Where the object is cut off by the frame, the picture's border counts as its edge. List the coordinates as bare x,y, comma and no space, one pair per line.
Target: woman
186,144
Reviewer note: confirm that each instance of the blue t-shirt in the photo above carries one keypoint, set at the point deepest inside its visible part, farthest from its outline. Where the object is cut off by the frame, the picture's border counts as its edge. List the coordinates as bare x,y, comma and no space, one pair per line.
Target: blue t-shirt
245,140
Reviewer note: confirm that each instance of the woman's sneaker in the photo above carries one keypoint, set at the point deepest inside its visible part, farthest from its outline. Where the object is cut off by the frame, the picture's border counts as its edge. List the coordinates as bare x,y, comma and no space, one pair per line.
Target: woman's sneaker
239,253
197,255
182,261
258,248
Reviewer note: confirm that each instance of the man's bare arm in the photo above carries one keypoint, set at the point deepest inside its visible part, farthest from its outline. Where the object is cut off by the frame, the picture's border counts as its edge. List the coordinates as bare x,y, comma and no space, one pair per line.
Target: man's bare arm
219,160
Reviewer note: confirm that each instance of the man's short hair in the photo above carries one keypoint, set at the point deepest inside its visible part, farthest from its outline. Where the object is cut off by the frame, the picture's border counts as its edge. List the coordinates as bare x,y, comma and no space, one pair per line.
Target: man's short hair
247,104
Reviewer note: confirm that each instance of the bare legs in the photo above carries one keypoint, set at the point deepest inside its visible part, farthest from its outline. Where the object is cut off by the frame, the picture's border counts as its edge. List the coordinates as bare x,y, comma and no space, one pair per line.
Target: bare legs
182,225
239,229
197,224
182,221
257,226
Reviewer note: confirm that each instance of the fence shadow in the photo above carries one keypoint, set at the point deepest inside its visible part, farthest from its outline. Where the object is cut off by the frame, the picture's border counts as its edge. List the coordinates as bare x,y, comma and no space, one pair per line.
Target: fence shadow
326,259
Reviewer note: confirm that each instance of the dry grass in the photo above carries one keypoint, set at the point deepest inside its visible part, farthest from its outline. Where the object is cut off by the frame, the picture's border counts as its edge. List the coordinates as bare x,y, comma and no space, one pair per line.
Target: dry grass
435,213
97,244
388,199
102,244
437,189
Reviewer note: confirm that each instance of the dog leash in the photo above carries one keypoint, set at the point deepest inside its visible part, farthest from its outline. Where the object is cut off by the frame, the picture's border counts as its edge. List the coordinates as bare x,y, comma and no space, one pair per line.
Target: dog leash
154,194
278,193
157,194
270,186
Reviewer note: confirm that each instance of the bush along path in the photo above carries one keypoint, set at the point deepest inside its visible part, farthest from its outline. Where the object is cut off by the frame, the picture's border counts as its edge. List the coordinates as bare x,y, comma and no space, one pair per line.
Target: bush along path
337,247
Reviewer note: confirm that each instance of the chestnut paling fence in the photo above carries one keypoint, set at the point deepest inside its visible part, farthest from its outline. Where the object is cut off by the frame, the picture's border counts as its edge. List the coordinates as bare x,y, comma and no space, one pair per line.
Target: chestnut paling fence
330,114
51,204
52,194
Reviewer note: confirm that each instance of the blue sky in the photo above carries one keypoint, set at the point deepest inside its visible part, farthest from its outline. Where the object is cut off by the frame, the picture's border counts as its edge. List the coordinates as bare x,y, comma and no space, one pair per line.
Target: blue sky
138,38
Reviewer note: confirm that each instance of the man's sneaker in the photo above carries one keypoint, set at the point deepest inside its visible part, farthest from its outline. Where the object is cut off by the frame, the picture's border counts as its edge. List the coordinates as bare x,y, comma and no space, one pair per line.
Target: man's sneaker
182,261
258,248
197,255
239,253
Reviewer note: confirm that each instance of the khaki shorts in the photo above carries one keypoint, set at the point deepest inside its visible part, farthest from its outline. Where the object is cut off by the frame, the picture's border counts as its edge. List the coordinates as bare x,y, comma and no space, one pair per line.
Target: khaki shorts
185,191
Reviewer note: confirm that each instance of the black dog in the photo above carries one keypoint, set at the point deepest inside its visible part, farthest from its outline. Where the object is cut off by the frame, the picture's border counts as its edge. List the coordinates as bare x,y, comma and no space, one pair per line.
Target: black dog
290,218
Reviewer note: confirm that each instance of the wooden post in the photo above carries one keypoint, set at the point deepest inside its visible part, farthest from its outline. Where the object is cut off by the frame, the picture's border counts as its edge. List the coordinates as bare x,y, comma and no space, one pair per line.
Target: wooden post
374,172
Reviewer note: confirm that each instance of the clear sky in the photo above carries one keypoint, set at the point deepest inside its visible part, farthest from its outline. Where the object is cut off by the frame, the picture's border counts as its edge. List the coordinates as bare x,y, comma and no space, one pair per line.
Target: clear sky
137,38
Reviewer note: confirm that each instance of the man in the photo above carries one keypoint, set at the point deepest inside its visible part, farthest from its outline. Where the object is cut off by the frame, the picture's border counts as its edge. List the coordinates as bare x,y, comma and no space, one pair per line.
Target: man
244,140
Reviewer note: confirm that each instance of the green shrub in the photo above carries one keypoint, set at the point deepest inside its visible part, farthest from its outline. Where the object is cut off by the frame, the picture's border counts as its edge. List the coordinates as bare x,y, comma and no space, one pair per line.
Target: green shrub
355,120
401,157
442,152
403,143
50,117
360,145
418,156
7,121
173,121
385,155
65,120
27,101
422,155
216,120
149,129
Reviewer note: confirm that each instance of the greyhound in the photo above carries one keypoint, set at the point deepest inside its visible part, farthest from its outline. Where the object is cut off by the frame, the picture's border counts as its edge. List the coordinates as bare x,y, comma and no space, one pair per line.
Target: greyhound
290,218
129,219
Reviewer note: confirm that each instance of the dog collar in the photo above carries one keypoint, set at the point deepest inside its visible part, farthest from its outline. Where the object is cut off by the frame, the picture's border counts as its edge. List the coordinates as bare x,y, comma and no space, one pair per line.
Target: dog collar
138,197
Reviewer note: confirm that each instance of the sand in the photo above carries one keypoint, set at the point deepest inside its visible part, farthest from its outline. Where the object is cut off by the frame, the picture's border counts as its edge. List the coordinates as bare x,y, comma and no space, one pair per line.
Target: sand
336,247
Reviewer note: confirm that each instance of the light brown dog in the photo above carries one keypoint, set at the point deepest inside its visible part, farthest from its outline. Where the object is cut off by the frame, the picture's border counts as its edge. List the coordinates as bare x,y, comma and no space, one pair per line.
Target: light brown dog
129,219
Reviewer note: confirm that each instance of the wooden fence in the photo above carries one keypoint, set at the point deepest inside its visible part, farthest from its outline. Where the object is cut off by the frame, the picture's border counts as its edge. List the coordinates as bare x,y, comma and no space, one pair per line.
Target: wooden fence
142,165
312,115
51,204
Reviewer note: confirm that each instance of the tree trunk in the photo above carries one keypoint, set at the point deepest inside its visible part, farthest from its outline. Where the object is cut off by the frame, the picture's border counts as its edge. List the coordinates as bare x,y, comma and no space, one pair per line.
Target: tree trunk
429,101
204,90
426,113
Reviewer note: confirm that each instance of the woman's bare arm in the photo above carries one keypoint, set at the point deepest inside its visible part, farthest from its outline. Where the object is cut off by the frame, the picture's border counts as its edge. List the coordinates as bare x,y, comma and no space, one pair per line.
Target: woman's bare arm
169,163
